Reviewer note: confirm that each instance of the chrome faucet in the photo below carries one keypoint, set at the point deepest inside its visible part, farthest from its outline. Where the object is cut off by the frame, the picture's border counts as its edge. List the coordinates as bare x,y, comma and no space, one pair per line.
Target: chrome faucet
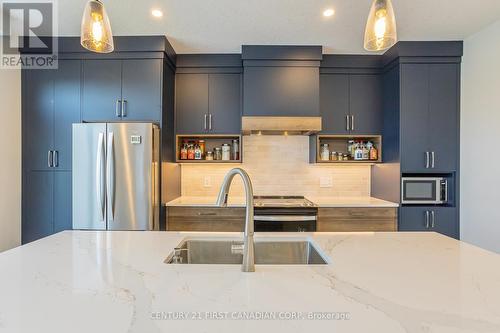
248,245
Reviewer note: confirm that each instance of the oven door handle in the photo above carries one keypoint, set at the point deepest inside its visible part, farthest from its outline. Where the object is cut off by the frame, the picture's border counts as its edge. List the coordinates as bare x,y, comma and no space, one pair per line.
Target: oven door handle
284,218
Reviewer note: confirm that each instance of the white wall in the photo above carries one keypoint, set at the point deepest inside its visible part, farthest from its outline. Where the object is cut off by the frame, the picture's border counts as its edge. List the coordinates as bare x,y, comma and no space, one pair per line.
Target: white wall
480,139
10,151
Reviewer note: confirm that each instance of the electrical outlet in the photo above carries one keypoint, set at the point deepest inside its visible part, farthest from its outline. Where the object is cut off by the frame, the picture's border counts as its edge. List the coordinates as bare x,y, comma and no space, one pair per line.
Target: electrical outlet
325,182
207,181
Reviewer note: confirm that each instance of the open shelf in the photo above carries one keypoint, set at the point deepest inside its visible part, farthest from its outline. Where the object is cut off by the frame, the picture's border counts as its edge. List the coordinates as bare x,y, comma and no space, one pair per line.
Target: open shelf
339,144
211,141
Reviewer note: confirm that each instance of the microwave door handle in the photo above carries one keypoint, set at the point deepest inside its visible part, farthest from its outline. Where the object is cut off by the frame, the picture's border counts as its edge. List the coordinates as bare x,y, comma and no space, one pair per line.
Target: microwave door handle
445,185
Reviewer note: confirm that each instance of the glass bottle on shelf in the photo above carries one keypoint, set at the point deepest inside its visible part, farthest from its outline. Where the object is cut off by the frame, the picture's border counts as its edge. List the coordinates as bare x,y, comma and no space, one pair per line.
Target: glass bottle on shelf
184,151
190,152
197,152
366,151
324,152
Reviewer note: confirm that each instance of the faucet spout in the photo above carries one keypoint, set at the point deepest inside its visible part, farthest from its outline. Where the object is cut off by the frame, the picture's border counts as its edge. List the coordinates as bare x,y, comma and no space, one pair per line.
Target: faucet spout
248,246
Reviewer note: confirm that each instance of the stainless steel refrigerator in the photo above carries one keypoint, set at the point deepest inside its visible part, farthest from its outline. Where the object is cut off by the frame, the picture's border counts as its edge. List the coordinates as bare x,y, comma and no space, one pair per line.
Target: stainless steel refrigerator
116,172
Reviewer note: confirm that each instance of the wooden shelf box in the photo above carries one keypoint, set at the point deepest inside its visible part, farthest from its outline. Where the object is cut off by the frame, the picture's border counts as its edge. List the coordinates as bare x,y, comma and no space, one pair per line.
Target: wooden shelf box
211,141
338,143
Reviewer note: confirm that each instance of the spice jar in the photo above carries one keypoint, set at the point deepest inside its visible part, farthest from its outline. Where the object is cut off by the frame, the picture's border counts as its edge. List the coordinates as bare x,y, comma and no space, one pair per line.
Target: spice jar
217,154
226,152
333,156
209,156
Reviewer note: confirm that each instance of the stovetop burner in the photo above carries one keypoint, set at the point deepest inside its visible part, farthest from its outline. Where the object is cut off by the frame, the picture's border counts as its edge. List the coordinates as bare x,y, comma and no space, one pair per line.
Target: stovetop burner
282,201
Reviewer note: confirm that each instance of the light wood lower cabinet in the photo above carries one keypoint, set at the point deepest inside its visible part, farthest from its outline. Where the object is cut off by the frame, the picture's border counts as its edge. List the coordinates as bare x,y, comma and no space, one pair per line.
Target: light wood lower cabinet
357,219
225,219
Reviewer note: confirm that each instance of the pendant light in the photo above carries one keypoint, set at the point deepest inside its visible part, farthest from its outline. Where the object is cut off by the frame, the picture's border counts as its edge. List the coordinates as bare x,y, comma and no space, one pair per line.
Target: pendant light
96,35
380,32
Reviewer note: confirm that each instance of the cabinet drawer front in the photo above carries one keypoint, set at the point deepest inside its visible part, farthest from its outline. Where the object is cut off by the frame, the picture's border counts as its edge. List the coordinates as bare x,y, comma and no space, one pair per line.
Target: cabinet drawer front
358,213
357,219
226,219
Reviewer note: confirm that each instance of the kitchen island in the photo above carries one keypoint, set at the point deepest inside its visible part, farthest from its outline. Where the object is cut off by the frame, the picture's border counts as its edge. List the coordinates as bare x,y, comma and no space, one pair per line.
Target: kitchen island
91,281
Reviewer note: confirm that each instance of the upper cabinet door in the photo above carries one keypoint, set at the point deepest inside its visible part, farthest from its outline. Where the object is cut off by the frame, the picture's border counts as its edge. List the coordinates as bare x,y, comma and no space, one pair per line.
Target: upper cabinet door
141,90
224,103
66,109
191,108
334,103
38,118
444,95
365,104
281,91
102,90
415,129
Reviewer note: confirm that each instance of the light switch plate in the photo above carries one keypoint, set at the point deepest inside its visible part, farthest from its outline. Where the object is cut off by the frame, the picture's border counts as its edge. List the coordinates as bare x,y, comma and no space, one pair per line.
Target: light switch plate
325,182
207,181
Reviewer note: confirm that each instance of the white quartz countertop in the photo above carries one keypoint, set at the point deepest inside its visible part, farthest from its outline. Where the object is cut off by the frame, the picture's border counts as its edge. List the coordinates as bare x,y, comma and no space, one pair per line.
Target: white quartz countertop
91,281
325,202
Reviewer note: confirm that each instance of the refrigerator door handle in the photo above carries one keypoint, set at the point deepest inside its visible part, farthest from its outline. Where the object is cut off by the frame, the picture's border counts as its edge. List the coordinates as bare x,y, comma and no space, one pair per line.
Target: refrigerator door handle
99,173
110,175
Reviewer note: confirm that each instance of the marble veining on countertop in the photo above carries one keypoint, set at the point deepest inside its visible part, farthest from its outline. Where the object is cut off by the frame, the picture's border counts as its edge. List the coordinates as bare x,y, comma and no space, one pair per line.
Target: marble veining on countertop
346,202
98,281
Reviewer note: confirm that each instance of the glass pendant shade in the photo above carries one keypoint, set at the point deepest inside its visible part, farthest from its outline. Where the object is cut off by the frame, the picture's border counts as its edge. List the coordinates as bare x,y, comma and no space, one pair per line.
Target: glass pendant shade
96,35
380,32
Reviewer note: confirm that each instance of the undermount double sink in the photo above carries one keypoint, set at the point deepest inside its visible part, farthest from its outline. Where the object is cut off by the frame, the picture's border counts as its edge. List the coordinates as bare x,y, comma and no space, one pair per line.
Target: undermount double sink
229,251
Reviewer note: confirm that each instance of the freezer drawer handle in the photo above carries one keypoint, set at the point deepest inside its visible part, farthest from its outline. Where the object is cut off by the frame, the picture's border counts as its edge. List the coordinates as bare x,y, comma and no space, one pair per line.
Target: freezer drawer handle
110,175
99,173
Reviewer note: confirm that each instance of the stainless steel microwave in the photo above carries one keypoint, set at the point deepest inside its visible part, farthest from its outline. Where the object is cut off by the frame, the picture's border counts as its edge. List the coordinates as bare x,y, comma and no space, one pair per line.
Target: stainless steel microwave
424,190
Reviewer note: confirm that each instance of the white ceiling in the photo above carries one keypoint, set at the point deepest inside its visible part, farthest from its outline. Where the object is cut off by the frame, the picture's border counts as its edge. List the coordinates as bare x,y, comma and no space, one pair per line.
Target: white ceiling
222,26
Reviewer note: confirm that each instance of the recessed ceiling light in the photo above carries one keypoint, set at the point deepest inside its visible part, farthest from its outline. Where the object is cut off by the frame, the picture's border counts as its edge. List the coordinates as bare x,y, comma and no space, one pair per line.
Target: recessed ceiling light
328,12
157,13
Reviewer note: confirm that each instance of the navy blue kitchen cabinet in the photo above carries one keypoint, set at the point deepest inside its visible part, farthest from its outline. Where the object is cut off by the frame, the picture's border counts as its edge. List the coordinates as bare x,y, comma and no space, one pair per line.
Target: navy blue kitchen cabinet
191,103
37,205
365,103
351,103
224,103
142,89
429,117
334,103
51,104
208,103
122,90
443,220
38,119
281,91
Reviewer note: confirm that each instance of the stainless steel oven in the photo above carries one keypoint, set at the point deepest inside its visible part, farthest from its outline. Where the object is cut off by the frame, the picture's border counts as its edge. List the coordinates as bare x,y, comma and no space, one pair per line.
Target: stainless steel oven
424,190
285,214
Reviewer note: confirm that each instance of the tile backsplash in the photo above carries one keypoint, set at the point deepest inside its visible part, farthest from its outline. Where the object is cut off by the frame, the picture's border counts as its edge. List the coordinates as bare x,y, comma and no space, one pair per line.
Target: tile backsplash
278,165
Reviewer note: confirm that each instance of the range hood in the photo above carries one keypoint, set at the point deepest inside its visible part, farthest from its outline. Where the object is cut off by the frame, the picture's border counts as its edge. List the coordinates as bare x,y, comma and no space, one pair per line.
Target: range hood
280,125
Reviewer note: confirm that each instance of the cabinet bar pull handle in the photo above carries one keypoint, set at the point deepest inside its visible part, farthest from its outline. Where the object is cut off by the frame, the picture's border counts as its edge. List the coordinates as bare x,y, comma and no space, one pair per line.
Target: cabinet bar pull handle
347,125
55,161
427,219
117,108
205,122
352,123
49,159
433,160
427,160
210,122
124,108
433,219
